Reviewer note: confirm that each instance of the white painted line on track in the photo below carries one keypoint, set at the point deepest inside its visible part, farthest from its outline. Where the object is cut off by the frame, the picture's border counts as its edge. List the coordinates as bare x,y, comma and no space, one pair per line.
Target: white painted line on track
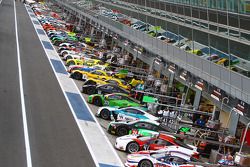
25,126
1,1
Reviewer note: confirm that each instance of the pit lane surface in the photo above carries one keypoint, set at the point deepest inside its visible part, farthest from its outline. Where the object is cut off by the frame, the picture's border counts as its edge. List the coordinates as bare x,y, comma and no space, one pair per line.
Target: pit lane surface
55,139
104,123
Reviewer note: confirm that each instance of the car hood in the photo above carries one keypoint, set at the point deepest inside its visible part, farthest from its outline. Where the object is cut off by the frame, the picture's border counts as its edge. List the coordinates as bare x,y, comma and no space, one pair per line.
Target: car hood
136,157
151,117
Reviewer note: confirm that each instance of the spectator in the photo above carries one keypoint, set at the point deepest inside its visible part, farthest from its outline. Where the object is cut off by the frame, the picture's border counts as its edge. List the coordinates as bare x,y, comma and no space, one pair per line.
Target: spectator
201,122
134,64
126,59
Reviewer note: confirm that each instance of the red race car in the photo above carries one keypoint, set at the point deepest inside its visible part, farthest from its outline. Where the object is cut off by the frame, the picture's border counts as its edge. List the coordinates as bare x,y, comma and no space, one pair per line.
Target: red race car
135,143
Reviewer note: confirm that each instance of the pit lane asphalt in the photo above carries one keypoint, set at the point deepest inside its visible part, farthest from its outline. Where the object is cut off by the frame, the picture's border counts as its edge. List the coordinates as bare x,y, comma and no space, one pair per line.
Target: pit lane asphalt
55,139
104,123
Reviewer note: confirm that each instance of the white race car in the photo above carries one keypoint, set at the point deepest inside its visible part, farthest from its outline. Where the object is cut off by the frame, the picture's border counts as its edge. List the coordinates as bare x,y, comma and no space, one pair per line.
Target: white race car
73,56
122,142
157,141
64,52
172,156
127,113
66,44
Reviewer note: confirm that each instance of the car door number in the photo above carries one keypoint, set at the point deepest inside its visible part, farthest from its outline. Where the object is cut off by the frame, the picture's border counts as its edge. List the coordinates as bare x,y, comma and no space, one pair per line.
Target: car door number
121,117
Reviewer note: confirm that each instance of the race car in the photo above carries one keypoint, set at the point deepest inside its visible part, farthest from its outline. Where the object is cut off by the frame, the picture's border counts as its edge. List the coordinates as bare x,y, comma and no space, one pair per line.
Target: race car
143,127
172,156
96,74
113,81
78,56
132,144
74,62
112,100
87,68
118,82
79,67
88,62
135,82
122,114
92,62
66,50
66,44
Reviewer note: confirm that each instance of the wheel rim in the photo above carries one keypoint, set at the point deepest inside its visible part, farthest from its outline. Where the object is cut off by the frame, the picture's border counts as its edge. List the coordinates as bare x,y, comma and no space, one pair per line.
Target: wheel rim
105,114
133,147
145,164
122,131
90,91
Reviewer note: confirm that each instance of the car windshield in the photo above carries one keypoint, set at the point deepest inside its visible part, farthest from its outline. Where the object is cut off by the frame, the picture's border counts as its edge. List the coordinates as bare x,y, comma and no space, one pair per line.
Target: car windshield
144,138
129,99
98,67
90,61
123,82
158,155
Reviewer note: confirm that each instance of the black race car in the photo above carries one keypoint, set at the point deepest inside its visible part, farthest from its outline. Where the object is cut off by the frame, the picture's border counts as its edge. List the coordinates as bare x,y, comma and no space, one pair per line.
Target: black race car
89,88
143,127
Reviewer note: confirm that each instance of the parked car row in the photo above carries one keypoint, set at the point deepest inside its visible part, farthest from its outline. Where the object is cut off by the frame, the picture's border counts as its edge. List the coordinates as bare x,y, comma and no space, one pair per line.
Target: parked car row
138,130
211,54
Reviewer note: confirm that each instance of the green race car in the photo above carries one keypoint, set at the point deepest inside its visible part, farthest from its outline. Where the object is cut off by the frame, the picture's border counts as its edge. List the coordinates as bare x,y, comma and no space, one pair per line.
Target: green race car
113,100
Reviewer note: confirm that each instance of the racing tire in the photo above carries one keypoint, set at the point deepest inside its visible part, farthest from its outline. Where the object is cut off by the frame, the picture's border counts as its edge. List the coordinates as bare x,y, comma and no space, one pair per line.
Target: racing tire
145,163
71,63
68,57
97,100
57,43
91,91
63,54
77,76
90,82
122,131
105,114
132,147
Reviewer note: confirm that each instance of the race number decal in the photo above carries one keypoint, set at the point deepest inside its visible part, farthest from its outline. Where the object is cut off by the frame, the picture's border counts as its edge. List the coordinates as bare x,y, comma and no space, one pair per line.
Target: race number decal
134,131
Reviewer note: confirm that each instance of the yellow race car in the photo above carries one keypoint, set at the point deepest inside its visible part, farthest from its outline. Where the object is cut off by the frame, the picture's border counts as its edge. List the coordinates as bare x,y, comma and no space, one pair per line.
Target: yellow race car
114,81
96,74
87,62
93,62
135,82
70,62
